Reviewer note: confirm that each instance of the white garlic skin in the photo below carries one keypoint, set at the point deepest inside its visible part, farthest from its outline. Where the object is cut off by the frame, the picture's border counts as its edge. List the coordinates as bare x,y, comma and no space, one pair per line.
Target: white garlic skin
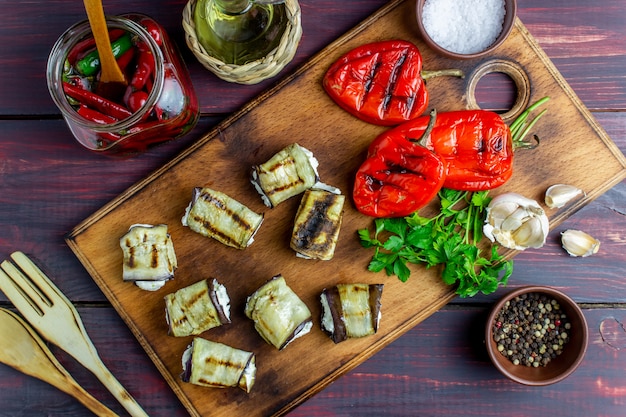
578,243
559,195
516,222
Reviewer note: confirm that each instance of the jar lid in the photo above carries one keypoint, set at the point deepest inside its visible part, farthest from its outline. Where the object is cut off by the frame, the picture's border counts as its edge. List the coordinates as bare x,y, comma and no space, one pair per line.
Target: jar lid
255,71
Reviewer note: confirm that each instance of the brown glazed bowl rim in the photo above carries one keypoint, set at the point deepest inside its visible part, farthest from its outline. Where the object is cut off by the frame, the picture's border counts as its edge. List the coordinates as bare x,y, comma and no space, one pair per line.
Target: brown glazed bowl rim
560,367
507,26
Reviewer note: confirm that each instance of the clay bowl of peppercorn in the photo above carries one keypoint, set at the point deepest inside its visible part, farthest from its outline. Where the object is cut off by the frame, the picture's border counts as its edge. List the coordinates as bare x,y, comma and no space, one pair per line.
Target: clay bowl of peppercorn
465,29
536,335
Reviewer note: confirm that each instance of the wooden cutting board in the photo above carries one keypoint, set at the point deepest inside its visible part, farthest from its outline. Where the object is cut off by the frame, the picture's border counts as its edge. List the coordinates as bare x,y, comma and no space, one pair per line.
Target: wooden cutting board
574,150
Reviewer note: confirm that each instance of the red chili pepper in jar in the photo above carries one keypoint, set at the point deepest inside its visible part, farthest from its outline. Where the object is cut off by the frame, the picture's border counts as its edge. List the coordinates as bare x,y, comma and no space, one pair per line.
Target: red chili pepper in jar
397,179
94,101
95,116
144,68
153,29
125,59
381,82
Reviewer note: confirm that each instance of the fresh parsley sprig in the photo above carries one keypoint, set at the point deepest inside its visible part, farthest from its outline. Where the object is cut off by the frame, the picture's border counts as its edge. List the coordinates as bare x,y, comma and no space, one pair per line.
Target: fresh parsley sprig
449,239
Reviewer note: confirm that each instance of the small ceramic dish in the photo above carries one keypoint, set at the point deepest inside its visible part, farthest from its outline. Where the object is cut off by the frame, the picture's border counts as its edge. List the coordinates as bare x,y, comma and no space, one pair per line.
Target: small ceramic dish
510,7
557,368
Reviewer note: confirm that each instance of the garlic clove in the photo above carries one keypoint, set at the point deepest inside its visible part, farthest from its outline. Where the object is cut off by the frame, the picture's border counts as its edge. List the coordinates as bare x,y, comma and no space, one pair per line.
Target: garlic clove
516,222
529,234
559,195
578,243
499,212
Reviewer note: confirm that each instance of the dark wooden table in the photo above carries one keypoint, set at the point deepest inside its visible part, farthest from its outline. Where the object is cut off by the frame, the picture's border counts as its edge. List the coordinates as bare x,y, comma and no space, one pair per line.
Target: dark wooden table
48,184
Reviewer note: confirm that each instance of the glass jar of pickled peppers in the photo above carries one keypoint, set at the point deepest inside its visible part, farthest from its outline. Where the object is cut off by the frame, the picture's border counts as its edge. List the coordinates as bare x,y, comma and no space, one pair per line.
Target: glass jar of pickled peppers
158,105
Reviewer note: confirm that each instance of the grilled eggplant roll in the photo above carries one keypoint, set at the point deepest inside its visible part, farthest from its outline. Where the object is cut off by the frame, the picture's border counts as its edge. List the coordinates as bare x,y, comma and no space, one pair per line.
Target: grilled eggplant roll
197,308
351,310
286,174
149,257
214,214
279,315
212,364
317,224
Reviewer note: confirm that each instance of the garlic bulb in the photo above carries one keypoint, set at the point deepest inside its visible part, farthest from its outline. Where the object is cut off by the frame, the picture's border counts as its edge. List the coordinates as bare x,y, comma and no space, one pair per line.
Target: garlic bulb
516,222
578,243
558,195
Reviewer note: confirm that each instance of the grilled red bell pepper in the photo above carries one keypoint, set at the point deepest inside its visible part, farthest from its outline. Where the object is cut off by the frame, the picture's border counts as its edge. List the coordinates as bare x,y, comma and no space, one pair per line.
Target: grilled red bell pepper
477,146
398,178
381,82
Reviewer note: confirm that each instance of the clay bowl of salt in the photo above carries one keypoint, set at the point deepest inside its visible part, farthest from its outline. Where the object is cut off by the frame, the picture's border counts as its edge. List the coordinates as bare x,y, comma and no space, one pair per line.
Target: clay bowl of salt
465,29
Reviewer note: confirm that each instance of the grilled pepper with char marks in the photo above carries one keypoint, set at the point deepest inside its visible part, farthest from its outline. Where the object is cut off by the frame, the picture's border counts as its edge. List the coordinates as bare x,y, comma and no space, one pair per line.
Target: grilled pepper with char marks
381,82
471,150
398,177
476,145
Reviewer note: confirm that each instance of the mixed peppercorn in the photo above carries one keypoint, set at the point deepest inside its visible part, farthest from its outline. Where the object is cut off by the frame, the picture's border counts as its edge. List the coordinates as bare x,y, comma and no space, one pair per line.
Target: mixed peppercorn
531,330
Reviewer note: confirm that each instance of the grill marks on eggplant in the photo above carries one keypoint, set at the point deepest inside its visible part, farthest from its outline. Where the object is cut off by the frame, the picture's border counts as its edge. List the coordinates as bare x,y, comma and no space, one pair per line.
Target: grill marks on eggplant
287,173
216,215
317,224
153,253
351,310
213,364
219,204
197,308
148,253
287,165
279,315
131,262
154,260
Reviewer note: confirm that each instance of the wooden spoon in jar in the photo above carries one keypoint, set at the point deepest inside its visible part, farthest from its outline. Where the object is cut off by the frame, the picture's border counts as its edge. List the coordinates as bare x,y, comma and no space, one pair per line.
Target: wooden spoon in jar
112,83
22,349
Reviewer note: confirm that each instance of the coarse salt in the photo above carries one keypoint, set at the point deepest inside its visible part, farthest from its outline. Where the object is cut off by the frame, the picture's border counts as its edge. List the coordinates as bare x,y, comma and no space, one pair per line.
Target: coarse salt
466,26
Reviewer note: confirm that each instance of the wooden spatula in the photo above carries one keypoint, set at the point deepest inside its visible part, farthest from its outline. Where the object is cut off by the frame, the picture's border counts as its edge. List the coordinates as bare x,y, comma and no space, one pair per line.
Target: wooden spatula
112,83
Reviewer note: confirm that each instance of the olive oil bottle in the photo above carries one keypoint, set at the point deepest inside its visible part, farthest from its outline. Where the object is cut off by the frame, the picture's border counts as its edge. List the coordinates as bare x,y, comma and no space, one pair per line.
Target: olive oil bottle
239,31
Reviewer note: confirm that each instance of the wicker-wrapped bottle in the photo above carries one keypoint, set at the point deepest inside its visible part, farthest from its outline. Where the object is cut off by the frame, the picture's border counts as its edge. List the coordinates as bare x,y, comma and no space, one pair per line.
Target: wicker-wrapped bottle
243,41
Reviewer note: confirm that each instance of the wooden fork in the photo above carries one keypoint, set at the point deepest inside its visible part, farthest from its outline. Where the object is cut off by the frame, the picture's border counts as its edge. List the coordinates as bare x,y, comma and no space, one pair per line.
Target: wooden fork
56,319
22,348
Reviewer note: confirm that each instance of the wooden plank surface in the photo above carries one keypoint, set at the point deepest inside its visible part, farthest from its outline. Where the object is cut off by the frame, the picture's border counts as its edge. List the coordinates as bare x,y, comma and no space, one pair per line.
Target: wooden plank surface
47,185
222,159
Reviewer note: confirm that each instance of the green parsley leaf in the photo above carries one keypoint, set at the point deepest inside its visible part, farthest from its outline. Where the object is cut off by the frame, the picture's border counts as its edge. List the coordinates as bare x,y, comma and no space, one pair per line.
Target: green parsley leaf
449,239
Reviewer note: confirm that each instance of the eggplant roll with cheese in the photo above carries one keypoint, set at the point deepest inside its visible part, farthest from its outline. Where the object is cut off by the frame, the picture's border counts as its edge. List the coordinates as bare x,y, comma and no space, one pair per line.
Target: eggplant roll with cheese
351,310
196,308
317,224
288,173
214,214
279,315
212,364
149,257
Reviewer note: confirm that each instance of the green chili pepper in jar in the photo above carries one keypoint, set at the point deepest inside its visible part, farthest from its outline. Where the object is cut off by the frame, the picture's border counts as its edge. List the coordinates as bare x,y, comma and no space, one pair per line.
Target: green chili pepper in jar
90,64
